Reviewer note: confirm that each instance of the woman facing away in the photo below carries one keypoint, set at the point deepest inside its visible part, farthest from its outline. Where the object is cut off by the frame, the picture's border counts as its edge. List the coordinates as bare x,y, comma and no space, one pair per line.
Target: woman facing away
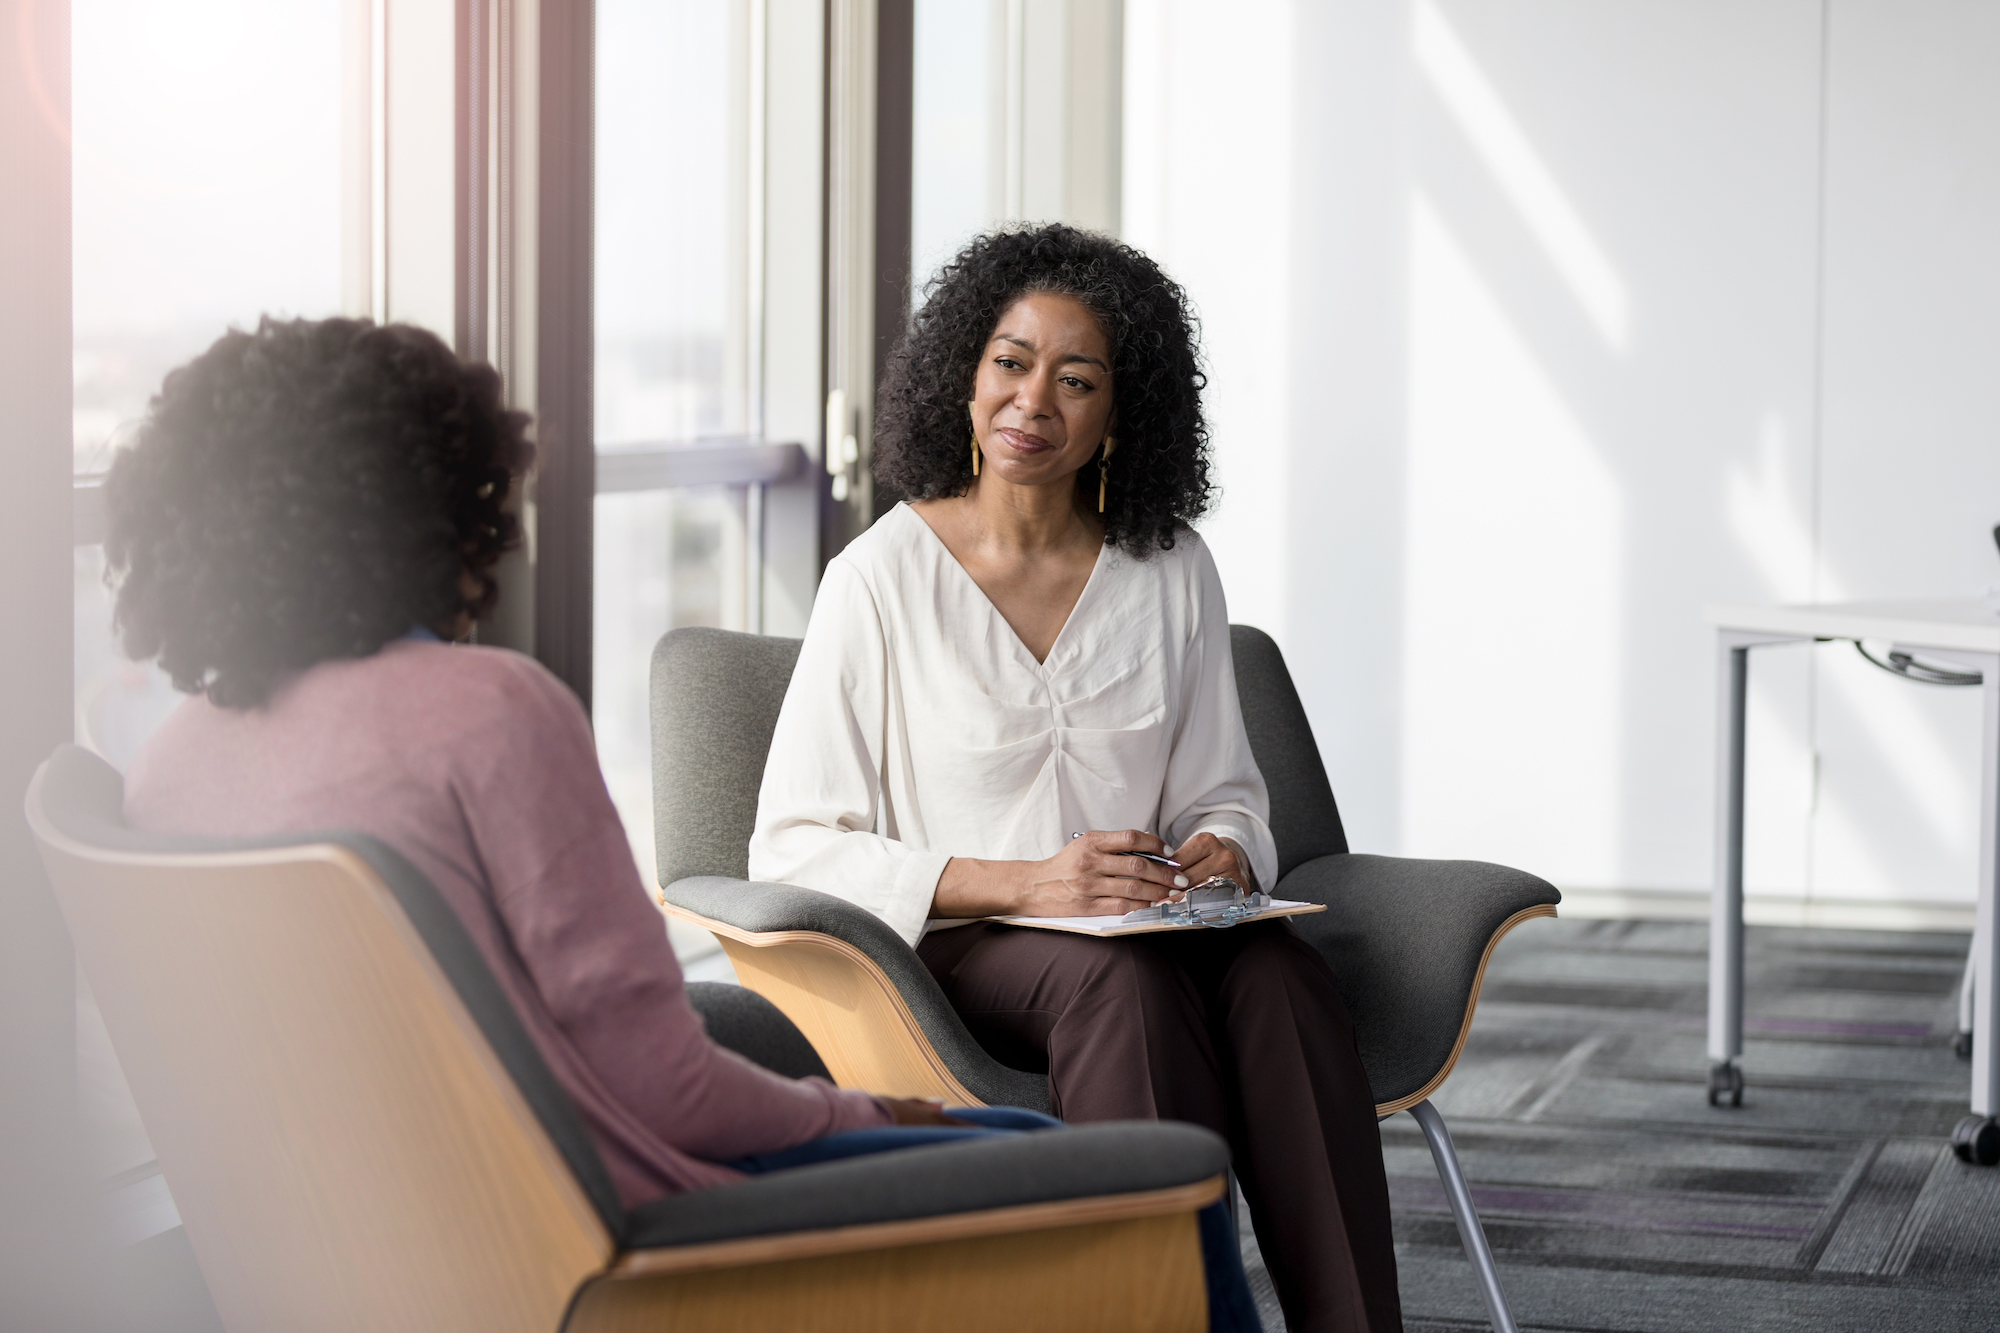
1033,648
311,512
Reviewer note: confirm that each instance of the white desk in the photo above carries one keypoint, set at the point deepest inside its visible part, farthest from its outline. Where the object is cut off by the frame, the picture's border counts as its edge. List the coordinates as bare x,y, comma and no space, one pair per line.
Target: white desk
1965,632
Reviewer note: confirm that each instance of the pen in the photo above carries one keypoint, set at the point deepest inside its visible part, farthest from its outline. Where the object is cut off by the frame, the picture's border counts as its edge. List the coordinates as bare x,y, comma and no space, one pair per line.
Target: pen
1143,856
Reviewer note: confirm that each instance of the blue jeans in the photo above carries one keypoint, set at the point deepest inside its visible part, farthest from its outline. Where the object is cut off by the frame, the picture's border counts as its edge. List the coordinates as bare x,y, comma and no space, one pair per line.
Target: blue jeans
1230,1309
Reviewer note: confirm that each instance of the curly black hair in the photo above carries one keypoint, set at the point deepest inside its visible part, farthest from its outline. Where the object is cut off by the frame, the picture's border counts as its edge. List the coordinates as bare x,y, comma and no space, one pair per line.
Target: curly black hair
309,491
1159,475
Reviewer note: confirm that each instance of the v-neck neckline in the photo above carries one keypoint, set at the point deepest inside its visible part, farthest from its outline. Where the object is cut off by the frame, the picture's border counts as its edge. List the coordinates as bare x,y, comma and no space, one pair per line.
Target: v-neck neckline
1042,665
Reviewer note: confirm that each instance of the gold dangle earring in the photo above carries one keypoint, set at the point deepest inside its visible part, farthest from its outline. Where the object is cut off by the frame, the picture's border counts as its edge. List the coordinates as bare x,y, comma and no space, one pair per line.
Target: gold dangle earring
975,443
1104,471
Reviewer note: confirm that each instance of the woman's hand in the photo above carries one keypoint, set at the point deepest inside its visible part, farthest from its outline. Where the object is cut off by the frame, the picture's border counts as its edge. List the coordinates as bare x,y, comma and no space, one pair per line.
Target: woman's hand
920,1111
1095,875
1204,856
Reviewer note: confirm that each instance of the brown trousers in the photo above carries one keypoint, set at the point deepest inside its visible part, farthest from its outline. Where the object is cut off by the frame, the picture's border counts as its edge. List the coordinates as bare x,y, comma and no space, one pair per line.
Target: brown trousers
1240,1030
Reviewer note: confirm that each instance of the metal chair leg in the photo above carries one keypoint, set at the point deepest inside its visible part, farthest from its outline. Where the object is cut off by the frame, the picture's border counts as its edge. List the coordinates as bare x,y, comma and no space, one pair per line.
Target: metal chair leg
1470,1233
1961,1044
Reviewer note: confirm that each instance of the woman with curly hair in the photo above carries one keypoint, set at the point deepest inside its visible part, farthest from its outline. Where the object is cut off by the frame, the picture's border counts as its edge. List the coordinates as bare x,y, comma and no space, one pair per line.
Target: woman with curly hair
310,511
1020,678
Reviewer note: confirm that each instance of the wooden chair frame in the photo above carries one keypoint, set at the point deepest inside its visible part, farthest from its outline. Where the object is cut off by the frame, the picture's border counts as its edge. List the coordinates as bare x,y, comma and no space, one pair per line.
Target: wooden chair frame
347,1150
863,1028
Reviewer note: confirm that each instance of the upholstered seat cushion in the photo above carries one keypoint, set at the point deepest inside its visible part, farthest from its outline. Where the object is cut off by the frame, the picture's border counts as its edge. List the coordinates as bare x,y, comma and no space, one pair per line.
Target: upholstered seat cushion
1120,1157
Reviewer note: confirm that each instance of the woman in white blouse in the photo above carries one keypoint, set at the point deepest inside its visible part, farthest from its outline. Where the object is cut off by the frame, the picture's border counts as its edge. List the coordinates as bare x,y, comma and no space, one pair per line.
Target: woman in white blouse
1036,647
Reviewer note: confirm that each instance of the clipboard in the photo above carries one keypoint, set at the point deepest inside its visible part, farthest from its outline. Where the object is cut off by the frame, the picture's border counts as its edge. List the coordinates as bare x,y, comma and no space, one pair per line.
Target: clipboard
1112,926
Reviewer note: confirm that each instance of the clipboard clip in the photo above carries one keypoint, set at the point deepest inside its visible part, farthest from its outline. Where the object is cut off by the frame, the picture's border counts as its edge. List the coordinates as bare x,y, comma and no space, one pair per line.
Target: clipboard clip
1216,903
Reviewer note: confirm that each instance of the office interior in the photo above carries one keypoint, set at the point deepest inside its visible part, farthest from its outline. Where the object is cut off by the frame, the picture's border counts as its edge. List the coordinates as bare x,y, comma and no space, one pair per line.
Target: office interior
1533,330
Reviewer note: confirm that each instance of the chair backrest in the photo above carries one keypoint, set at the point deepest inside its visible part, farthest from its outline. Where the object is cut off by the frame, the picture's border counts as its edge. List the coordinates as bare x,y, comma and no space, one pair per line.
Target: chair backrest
715,701
1304,819
354,1138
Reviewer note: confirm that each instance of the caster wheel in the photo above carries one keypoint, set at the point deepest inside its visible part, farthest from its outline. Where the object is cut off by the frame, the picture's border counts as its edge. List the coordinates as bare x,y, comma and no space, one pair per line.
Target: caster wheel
1961,1046
1725,1081
1977,1140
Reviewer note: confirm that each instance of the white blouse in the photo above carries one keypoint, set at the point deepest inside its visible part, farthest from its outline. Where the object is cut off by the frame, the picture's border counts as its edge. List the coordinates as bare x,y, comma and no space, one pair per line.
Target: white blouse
918,727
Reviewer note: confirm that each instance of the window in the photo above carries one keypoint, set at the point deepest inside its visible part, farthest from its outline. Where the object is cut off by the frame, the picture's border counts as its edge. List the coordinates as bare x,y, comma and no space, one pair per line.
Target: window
206,160
672,354
675,356
954,193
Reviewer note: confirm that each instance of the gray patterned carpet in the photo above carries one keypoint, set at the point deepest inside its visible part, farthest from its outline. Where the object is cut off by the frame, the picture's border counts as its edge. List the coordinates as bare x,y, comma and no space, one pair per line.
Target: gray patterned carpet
1617,1199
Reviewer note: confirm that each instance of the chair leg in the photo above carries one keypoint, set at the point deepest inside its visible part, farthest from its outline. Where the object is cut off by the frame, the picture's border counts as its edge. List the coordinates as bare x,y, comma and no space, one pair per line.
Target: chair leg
1961,1044
1470,1233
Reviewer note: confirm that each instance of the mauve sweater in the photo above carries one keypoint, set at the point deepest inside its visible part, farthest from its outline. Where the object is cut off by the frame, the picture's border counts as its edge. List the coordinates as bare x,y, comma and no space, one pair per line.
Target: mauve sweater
478,766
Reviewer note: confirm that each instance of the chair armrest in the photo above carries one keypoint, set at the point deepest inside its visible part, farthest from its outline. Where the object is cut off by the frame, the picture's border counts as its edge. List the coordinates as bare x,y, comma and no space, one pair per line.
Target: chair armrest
750,1025
1408,942
1120,1157
749,909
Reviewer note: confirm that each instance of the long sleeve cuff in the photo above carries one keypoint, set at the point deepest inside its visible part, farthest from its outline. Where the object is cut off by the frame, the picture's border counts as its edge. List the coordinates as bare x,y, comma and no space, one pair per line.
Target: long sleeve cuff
853,1108
916,887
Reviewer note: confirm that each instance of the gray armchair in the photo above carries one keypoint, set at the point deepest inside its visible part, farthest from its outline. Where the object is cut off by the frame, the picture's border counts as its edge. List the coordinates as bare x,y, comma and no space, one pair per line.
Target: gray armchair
1408,940
359,1133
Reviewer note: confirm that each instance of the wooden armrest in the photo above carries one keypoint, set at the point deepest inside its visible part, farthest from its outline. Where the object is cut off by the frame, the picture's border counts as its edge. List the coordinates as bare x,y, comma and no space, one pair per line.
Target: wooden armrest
854,987
847,1007
1113,1264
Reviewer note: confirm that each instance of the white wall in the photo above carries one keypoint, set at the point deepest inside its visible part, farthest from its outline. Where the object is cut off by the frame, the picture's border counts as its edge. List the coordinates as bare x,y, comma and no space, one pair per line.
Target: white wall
1536,324
1910,469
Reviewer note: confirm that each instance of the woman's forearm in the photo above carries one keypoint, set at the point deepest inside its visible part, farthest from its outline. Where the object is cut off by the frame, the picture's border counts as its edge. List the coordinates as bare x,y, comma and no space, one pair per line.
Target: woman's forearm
971,888
1097,873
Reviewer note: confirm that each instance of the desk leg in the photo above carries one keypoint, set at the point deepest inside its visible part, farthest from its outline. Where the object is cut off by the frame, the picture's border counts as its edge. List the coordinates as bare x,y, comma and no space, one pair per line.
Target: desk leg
1977,1138
1725,923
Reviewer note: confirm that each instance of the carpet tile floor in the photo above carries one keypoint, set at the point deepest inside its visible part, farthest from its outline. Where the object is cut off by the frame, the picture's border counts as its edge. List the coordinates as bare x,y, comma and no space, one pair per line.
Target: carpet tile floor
1616,1198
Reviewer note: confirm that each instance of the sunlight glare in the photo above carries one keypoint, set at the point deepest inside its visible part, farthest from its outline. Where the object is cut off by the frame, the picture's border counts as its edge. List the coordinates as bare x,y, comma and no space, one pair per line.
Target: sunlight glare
1522,174
1768,517
1514,557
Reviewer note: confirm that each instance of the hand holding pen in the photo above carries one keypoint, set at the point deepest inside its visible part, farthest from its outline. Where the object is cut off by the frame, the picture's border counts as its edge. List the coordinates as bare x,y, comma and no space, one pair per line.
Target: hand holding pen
1202,858
1135,844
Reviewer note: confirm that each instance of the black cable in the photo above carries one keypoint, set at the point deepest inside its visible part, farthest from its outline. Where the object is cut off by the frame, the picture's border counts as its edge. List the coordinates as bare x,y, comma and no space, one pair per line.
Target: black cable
1909,668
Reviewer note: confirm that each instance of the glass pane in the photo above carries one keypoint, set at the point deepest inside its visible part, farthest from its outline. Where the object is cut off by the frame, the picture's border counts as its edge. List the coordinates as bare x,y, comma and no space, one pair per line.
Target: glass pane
671,220
191,215
206,188
954,190
672,352
664,559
